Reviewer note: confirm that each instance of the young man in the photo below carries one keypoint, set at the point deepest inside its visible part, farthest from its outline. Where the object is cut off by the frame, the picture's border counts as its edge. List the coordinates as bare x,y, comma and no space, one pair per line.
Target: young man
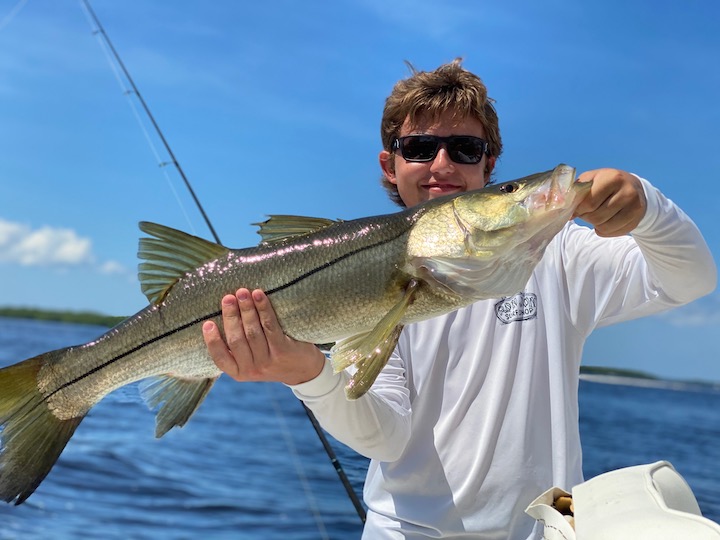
476,413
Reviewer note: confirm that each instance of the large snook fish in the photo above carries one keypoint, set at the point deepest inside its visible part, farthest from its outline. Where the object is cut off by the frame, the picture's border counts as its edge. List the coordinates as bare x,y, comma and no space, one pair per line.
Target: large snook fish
357,281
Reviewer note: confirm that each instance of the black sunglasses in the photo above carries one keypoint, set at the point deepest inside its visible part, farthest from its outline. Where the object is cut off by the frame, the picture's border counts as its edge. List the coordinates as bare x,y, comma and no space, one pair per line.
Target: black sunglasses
461,148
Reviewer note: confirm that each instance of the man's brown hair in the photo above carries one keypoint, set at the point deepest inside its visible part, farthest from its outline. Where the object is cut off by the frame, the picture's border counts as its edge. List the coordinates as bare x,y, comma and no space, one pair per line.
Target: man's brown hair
430,94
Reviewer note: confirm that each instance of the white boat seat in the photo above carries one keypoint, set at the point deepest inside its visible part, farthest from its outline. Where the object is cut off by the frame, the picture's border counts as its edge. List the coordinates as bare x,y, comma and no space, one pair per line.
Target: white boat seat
645,502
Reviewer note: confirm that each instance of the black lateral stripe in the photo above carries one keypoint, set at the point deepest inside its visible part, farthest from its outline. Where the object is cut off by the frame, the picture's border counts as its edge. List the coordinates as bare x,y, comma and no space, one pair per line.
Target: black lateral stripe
218,313
328,264
134,350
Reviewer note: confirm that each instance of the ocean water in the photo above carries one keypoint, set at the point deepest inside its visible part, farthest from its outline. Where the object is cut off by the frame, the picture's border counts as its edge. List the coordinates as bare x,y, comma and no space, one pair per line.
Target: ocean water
250,466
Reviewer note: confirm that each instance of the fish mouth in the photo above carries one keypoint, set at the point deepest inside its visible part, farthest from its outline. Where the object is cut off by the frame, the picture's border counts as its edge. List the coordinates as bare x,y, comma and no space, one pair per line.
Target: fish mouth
563,177
555,192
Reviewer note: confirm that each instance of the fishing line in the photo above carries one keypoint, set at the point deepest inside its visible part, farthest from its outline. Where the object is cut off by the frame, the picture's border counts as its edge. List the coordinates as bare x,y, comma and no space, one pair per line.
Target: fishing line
100,34
290,443
92,18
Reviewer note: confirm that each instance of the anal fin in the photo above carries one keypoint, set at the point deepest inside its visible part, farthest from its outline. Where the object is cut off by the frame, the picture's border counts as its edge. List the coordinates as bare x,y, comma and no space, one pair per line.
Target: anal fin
178,398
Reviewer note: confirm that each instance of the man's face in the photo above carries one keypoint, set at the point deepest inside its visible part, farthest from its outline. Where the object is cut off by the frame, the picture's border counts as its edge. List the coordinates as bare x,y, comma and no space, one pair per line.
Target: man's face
418,182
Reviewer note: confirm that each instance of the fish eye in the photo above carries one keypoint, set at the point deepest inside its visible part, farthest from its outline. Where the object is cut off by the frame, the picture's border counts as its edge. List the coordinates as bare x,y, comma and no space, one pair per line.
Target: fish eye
510,187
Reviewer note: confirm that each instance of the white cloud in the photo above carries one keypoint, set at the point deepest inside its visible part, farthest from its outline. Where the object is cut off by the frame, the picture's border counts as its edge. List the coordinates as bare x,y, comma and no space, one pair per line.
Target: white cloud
20,244
49,247
112,267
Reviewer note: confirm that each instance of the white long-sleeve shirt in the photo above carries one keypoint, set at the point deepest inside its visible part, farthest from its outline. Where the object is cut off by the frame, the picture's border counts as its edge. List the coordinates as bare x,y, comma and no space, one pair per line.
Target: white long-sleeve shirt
476,413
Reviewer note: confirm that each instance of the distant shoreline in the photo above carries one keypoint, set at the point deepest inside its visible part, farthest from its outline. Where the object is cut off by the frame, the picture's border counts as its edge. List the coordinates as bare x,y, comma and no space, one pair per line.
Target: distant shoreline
77,317
667,384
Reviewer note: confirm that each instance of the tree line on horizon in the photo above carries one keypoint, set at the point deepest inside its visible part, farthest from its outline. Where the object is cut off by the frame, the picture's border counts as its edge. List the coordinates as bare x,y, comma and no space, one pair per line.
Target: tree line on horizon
78,317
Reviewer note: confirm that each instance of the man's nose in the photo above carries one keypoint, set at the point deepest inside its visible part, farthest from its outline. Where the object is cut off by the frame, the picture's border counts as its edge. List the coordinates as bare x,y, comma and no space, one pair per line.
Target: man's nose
442,161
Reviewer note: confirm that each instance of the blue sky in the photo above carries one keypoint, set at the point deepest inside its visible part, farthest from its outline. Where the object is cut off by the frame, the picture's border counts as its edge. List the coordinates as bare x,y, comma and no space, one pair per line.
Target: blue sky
274,107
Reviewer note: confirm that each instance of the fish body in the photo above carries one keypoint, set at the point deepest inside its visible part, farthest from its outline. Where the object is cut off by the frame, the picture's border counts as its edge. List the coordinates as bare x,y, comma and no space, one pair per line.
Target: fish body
354,282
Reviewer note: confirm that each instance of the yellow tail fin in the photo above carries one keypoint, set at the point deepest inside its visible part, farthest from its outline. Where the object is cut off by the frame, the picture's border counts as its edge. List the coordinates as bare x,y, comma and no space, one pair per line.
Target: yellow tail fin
31,437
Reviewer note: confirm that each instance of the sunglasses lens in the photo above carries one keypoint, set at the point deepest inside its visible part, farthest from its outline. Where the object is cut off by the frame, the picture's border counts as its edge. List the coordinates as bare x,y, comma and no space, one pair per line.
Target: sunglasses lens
419,148
465,149
460,148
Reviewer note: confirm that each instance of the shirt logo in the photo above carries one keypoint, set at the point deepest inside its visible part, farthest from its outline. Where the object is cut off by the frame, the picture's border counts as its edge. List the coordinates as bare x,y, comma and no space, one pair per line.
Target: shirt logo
521,307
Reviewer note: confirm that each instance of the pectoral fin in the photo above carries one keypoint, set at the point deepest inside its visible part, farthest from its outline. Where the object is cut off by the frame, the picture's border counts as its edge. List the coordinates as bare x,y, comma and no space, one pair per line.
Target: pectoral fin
178,399
370,351
370,366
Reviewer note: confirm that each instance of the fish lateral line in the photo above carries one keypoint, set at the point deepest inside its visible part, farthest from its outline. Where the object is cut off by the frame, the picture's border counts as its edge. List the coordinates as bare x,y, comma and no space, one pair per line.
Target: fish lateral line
332,262
131,351
218,313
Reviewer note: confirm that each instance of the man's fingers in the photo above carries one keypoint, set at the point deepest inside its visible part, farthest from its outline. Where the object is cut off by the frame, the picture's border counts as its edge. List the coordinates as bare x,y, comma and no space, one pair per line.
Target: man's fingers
616,202
597,210
266,315
233,325
253,347
619,224
598,196
223,358
253,332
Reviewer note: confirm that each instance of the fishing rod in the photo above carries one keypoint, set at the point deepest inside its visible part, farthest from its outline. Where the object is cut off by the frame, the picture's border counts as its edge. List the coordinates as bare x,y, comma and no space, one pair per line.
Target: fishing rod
313,420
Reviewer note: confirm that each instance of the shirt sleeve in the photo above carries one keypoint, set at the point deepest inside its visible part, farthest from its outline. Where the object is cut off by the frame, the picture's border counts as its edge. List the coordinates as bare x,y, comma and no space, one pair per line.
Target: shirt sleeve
377,425
663,263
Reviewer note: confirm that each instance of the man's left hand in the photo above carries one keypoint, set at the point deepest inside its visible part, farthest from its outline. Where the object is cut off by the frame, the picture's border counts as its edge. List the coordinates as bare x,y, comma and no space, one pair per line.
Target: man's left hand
616,202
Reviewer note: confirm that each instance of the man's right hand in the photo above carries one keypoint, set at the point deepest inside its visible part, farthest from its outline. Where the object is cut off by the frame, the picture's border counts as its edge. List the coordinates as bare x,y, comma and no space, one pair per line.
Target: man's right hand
255,348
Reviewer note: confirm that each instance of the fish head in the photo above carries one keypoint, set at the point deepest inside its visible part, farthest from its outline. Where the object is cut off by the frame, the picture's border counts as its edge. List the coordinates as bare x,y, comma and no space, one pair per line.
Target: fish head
491,239
516,208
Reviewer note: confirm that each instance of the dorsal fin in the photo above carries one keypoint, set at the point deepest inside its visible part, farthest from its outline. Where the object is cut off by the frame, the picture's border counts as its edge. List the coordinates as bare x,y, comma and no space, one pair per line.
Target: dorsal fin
279,227
168,256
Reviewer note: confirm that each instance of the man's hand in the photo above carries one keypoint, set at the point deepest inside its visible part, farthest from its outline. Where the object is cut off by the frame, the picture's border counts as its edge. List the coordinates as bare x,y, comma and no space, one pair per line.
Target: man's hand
616,202
255,347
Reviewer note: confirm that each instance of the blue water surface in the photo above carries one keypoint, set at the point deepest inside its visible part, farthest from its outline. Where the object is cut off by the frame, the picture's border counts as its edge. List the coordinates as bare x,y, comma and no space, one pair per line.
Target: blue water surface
250,466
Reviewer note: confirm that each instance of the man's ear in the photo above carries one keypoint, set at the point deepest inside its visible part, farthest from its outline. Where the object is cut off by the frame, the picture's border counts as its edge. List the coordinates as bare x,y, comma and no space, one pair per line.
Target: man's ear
489,166
387,164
